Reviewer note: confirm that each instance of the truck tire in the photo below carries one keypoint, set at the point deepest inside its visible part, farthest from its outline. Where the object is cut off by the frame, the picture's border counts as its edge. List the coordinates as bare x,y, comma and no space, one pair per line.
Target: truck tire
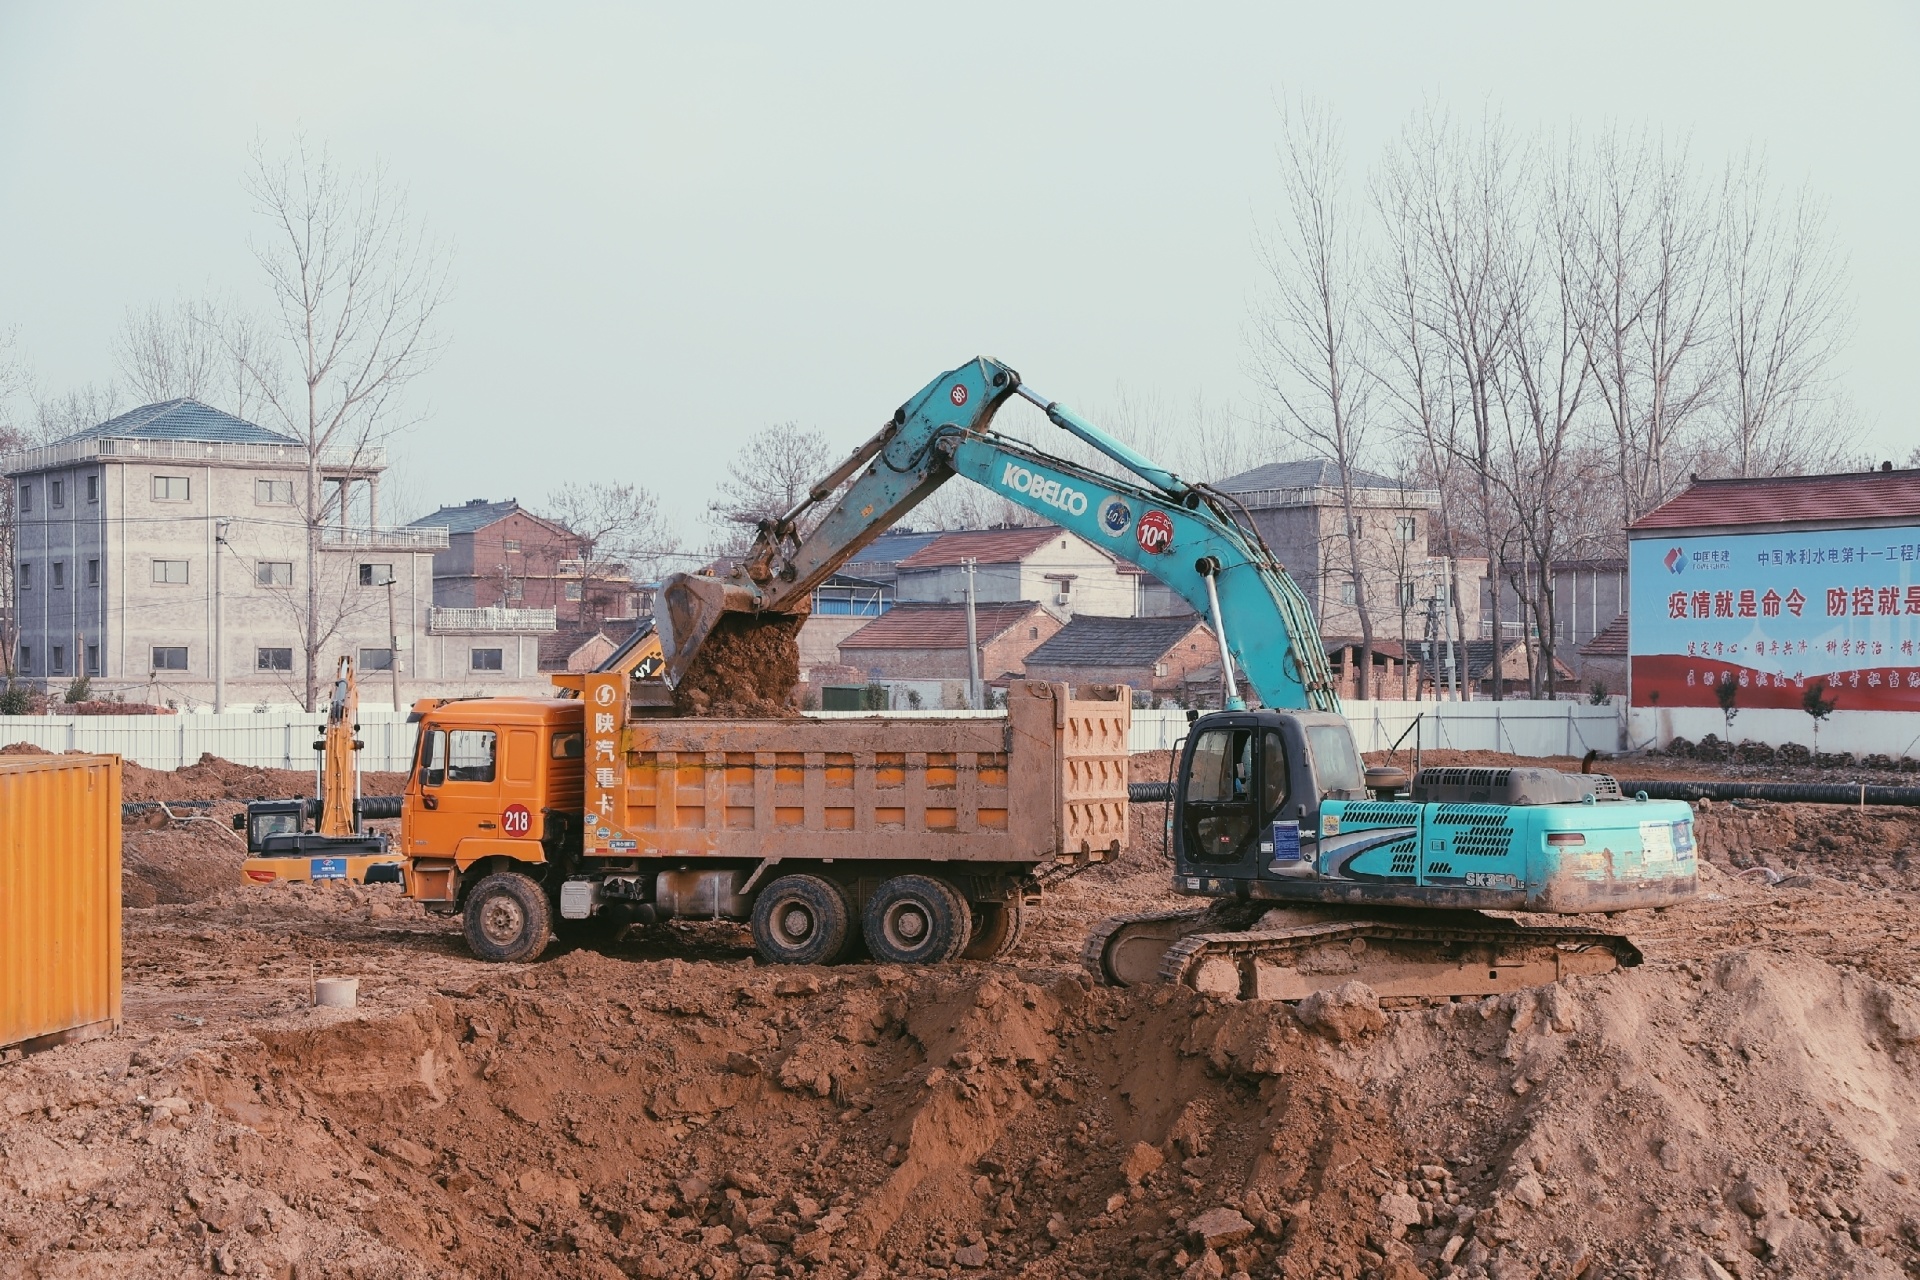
801,919
508,918
996,928
917,920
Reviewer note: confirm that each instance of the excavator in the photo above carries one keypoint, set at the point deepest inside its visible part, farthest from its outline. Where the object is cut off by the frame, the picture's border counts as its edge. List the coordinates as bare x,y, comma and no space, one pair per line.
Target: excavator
1312,870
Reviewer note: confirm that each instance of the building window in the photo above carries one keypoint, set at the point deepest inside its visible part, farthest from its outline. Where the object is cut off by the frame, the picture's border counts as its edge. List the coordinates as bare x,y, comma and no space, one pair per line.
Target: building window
273,659
169,657
26,497
1406,595
26,577
273,493
1349,593
376,659
516,591
26,659
1159,668
93,659
93,573
1406,528
486,660
510,545
171,489
273,573
58,575
376,575
93,488
1033,633
573,591
57,497
57,660
170,571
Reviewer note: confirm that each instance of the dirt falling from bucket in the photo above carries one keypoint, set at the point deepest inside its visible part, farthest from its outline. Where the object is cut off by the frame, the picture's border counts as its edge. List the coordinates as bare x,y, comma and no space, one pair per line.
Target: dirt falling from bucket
747,669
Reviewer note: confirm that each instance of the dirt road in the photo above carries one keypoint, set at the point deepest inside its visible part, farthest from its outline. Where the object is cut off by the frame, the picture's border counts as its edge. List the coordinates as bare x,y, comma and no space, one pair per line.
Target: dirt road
1744,1104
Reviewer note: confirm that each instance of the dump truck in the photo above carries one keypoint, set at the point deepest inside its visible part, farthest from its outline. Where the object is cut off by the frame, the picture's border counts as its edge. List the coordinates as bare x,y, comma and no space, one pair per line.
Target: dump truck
921,839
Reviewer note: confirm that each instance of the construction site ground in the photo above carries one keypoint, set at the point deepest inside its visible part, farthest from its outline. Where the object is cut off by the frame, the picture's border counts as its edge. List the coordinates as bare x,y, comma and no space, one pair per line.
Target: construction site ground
1743,1104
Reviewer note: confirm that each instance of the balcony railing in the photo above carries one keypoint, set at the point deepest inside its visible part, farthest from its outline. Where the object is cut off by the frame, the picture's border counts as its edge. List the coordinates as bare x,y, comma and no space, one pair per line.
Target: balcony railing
405,538
460,621
221,453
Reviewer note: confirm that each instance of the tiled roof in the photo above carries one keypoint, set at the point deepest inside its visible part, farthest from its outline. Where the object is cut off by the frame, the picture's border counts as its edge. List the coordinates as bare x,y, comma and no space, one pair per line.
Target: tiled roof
1610,643
891,548
1090,641
1831,499
181,419
938,626
1307,473
988,546
469,516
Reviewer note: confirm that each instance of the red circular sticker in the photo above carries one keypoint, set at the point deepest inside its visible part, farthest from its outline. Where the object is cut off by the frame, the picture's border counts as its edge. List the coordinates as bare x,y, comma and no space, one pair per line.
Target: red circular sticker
516,821
958,395
1154,532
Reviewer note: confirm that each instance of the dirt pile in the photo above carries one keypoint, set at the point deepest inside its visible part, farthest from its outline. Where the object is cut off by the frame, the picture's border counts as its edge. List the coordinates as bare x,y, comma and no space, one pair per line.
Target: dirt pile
747,669
211,778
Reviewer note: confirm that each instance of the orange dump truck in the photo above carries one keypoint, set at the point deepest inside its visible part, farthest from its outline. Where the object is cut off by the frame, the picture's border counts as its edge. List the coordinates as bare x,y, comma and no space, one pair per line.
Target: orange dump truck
919,838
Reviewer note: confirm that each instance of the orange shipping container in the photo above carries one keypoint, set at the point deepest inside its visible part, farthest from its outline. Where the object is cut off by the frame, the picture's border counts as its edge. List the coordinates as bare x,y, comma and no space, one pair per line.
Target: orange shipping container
59,899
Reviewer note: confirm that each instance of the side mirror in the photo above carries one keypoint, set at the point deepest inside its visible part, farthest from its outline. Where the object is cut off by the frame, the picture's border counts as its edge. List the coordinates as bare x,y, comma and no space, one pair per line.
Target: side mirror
430,802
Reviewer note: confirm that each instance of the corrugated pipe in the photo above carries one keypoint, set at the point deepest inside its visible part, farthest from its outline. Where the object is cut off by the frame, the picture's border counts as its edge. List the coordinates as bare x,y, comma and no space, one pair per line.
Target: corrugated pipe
1853,793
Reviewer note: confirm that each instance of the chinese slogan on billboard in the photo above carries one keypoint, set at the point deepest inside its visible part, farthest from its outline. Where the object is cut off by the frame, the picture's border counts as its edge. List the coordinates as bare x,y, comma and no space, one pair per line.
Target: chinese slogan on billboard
1777,613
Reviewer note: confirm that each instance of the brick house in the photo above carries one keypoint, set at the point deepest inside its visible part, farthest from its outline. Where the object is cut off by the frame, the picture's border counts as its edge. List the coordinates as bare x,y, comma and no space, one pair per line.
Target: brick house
1156,655
919,641
500,555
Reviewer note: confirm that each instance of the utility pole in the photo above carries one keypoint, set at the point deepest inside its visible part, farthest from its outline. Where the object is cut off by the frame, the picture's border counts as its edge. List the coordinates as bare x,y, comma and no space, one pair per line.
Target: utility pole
220,525
973,642
393,644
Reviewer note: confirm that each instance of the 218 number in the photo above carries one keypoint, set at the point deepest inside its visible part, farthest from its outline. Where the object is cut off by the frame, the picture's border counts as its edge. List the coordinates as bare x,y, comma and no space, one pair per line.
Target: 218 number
516,821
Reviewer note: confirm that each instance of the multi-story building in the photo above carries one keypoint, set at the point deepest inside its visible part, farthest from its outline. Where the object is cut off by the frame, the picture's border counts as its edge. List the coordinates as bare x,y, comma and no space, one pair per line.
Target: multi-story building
164,555
500,555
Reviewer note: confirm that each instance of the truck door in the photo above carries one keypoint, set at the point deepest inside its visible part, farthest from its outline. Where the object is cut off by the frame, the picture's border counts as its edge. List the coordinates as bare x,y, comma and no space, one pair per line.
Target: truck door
459,779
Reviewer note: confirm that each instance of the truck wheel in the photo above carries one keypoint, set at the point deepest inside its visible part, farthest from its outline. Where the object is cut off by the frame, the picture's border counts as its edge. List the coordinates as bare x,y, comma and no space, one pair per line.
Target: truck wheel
996,927
917,920
801,920
508,918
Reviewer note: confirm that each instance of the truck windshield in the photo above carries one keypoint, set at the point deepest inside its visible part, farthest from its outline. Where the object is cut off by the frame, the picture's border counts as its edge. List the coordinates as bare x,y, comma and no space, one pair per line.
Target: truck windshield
1335,763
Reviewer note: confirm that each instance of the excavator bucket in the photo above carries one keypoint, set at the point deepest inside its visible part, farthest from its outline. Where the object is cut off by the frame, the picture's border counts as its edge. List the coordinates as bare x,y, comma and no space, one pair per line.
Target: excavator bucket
690,606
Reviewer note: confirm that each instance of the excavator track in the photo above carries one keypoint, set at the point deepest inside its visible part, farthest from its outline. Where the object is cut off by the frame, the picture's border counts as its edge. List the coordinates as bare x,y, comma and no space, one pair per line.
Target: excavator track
1290,954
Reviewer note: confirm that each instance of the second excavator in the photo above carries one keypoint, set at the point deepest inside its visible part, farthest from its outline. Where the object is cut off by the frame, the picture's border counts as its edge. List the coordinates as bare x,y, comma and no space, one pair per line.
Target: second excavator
1316,872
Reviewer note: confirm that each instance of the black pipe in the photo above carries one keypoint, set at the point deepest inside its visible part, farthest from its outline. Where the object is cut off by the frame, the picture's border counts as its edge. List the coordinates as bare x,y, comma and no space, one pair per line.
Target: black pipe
1783,792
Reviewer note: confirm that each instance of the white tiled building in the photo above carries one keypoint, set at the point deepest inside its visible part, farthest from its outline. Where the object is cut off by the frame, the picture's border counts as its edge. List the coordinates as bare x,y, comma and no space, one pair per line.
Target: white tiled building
163,554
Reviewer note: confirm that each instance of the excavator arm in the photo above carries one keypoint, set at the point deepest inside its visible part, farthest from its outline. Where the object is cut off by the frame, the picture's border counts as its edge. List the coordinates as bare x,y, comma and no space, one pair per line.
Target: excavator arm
1183,533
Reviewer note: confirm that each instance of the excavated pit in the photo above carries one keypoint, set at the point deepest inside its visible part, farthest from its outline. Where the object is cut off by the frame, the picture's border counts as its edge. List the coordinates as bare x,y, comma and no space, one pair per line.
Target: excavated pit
746,669
1742,1105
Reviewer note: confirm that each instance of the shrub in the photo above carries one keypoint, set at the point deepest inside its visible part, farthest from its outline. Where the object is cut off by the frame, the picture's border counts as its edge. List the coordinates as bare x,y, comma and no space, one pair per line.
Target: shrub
1679,746
15,701
81,690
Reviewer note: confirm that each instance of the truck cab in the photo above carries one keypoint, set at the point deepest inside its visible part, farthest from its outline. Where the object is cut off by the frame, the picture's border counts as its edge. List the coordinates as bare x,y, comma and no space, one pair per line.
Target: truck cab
495,782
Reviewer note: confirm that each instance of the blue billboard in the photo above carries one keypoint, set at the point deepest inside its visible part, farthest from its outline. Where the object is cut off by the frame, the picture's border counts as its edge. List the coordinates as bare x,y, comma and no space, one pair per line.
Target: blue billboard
1777,614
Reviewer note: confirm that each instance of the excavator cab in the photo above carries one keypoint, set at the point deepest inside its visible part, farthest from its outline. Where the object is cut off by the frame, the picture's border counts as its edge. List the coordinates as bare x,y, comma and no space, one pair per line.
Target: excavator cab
1251,783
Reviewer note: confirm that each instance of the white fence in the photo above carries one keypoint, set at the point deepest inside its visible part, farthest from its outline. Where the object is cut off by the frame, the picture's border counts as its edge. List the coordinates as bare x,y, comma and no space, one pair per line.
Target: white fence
1893,733
282,739
276,740
1518,728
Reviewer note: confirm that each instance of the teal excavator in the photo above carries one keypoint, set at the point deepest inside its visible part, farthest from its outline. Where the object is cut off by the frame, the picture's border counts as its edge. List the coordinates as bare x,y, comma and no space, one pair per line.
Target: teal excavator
1316,870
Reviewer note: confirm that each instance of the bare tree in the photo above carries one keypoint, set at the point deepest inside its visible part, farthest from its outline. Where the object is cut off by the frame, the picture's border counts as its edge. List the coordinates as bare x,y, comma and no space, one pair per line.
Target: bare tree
1784,317
773,470
200,350
1456,191
1309,339
355,285
622,535
13,437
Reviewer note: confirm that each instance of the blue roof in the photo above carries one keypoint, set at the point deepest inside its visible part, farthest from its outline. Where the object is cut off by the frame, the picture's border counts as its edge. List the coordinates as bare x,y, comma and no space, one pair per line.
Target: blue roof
468,516
182,419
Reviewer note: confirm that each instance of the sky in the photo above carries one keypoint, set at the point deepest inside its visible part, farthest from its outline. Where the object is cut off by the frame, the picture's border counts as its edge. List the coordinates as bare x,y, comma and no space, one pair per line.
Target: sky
674,225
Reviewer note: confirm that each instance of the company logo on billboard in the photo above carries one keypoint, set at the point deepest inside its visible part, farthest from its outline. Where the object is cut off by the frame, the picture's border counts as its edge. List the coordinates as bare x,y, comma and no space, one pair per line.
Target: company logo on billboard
1676,560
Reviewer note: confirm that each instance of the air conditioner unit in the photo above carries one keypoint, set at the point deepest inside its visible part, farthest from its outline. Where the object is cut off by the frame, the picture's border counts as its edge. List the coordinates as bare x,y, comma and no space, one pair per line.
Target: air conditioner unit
1062,597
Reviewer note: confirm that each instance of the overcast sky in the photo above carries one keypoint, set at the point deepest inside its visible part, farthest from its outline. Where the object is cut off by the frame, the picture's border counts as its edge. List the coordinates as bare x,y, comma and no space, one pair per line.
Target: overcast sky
675,224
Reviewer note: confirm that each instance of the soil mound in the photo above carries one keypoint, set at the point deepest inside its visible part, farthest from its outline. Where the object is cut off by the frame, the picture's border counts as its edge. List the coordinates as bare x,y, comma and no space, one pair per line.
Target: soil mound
747,669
